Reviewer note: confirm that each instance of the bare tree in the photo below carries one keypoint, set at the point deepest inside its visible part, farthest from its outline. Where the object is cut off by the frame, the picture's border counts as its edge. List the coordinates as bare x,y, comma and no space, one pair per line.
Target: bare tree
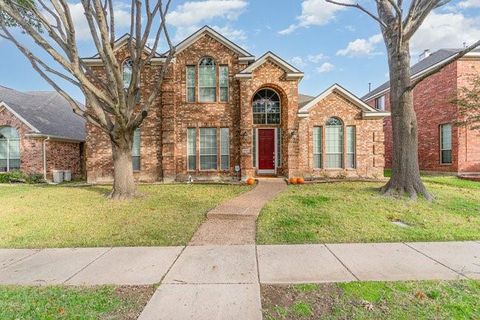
397,30
110,105
467,99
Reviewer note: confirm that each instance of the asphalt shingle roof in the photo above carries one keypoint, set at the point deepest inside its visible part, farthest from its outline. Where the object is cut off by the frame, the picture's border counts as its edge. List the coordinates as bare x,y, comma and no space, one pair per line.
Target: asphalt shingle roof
303,99
47,111
420,66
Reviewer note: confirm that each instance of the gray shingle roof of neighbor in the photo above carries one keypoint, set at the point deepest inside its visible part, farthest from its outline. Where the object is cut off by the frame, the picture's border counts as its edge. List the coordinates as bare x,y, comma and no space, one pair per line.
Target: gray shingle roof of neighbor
47,111
424,64
303,99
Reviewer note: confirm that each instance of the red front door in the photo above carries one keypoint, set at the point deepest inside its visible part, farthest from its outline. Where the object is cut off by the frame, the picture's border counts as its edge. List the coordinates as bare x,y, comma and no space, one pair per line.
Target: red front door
266,149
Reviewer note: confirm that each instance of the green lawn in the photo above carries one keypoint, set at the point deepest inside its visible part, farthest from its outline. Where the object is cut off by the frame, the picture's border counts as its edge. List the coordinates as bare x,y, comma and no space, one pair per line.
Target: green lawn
62,216
373,300
356,212
57,302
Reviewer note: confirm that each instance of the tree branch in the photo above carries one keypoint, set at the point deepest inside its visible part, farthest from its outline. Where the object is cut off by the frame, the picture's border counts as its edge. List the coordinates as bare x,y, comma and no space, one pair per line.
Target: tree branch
358,6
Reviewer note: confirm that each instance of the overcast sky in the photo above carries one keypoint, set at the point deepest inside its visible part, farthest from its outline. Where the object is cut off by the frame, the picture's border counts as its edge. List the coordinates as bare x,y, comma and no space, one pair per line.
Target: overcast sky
329,43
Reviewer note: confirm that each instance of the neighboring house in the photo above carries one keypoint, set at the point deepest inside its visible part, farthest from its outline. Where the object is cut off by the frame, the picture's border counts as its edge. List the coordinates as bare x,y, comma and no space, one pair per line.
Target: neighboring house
39,133
224,114
442,146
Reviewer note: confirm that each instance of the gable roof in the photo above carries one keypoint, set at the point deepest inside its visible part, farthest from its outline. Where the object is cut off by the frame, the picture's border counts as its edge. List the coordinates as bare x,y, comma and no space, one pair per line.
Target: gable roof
436,58
292,72
368,112
45,113
303,99
243,54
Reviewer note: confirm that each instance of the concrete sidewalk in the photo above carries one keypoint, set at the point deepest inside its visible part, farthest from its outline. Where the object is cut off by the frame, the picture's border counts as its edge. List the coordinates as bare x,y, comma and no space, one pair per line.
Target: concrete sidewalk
223,282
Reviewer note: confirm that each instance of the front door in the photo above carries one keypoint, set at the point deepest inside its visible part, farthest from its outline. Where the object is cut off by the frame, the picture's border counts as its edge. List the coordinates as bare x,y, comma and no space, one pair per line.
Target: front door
266,151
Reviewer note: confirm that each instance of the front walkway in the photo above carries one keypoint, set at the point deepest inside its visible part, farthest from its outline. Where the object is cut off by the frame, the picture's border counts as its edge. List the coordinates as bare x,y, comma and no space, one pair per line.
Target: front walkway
223,282
233,222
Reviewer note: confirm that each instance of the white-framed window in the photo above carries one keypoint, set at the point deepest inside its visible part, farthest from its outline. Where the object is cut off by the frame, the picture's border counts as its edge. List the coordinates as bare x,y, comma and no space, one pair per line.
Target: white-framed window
266,107
136,150
207,80
446,143
191,82
254,147
351,147
334,143
127,68
317,147
224,149
223,83
191,149
380,103
9,149
208,149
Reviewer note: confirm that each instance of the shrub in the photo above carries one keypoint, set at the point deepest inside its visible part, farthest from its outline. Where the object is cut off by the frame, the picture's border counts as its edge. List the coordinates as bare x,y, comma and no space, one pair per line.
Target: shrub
16,176
34,178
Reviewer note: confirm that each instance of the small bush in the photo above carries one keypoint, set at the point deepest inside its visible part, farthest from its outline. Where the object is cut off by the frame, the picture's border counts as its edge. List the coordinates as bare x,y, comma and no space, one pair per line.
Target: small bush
16,176
34,178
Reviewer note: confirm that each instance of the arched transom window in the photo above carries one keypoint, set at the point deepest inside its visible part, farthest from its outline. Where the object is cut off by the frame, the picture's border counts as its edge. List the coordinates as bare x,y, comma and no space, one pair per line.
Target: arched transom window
9,149
334,142
266,107
207,80
127,73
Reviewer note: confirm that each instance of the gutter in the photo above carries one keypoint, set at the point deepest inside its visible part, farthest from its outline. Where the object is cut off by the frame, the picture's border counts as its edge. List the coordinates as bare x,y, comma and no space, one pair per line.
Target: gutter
45,158
52,137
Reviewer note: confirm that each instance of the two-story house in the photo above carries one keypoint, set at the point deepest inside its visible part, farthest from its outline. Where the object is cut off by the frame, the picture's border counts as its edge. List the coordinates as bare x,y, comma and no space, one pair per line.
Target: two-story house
442,145
224,114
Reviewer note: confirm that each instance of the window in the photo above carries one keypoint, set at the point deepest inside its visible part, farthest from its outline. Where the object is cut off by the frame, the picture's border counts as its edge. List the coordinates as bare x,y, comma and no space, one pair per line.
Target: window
224,83
254,148
380,103
207,79
446,144
266,107
334,143
192,148
279,147
317,147
136,150
127,73
208,149
9,149
351,146
191,83
224,148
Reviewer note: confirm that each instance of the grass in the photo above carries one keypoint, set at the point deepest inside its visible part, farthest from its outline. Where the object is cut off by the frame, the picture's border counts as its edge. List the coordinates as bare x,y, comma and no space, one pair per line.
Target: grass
57,302
356,212
56,216
374,300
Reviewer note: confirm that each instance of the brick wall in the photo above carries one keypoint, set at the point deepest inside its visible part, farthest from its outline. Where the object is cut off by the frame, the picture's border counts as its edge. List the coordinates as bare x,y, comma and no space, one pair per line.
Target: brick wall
60,154
369,139
433,107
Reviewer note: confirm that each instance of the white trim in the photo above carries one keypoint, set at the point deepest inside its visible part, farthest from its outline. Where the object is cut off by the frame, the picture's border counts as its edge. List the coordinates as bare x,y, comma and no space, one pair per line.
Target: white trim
99,62
416,75
208,30
370,115
52,137
292,72
347,94
4,104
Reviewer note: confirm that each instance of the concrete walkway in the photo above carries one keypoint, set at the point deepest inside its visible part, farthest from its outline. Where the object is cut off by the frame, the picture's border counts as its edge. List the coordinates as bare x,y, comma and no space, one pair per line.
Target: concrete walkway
233,222
223,282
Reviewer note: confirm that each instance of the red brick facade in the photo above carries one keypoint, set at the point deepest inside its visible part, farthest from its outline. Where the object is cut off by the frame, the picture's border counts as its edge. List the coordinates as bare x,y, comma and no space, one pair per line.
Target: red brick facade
60,155
164,132
432,102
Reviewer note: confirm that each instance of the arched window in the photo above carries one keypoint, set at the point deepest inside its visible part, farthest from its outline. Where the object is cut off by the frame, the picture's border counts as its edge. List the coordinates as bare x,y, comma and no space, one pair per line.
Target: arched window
334,143
127,73
9,149
207,80
266,107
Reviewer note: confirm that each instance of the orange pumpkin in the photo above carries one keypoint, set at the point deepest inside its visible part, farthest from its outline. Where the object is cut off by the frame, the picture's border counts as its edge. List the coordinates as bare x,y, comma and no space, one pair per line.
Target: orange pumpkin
293,180
250,181
300,180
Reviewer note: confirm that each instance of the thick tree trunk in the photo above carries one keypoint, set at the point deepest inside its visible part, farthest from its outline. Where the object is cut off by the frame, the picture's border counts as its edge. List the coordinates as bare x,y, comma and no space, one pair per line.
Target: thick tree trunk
123,182
405,169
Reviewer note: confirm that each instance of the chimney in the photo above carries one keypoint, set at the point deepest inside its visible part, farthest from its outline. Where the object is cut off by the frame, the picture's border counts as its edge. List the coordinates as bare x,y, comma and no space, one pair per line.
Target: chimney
369,87
424,54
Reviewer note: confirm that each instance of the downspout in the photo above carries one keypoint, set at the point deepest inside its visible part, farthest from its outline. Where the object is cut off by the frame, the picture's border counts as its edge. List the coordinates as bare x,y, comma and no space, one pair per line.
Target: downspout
45,158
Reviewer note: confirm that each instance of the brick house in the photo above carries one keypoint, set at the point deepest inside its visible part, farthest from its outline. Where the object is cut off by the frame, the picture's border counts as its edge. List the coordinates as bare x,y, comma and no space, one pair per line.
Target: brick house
39,133
223,114
442,146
